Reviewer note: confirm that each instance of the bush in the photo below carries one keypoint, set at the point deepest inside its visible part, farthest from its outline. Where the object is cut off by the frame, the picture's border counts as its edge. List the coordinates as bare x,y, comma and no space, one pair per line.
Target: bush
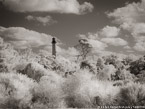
9,58
62,66
123,75
131,95
38,82
137,66
48,93
106,73
34,71
83,90
89,66
15,91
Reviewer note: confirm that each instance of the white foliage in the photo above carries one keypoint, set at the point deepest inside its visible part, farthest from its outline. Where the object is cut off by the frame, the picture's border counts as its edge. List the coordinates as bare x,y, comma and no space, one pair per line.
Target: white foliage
106,73
49,92
66,64
82,89
35,71
15,87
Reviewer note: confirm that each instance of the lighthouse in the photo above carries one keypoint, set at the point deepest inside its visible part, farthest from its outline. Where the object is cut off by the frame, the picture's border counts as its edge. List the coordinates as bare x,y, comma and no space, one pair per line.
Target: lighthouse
54,47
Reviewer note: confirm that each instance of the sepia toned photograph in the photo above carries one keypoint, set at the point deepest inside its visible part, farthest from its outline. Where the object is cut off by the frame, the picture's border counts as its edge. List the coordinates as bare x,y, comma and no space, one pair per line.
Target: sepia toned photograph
72,54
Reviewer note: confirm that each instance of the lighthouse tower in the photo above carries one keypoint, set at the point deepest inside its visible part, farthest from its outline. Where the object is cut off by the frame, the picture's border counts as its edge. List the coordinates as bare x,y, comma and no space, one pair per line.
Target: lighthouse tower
54,47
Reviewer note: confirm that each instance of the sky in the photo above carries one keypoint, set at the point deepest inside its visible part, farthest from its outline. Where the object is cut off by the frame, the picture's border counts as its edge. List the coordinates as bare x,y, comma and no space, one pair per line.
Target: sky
108,25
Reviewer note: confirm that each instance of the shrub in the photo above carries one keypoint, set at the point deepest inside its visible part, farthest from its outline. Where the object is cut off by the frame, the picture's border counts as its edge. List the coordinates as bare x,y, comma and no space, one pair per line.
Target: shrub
89,66
48,93
83,90
100,63
15,91
34,71
141,77
123,75
140,80
9,58
106,73
137,66
63,65
132,94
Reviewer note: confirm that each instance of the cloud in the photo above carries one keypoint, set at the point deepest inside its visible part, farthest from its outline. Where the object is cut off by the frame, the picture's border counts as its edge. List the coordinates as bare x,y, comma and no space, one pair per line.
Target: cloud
132,18
96,44
70,52
57,6
114,41
131,13
94,41
127,47
30,17
138,29
22,38
130,51
140,44
109,31
47,20
94,36
138,33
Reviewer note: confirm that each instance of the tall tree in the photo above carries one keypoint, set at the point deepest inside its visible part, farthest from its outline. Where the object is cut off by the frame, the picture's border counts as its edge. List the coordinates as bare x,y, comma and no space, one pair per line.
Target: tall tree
84,48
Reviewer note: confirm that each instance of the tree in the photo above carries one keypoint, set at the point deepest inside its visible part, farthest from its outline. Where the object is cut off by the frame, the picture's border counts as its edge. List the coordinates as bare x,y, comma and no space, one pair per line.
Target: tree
84,48
137,66
100,63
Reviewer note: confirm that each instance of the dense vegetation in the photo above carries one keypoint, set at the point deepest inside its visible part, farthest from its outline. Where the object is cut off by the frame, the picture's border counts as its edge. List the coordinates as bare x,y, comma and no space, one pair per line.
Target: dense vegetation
38,81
